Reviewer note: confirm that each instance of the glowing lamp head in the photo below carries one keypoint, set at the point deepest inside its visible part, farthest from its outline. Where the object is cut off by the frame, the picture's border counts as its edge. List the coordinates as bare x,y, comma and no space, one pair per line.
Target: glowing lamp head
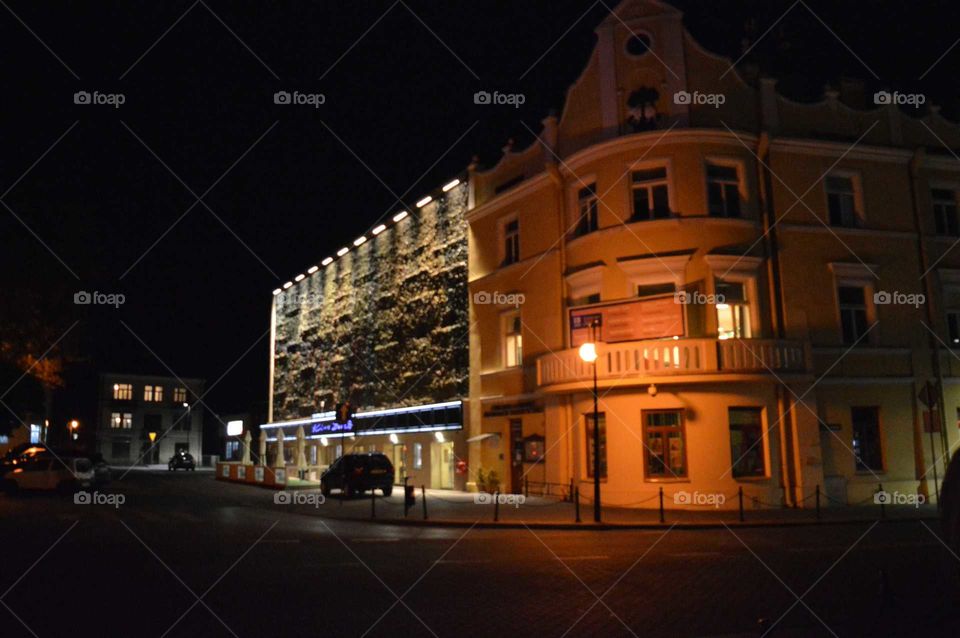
588,352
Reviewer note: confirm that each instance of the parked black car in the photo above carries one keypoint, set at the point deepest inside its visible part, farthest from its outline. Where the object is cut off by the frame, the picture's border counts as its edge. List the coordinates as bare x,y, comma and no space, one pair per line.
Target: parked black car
181,461
357,473
950,503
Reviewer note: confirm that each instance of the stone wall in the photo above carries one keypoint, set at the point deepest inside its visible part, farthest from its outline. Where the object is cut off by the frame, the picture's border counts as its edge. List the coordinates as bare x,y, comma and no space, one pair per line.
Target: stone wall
385,325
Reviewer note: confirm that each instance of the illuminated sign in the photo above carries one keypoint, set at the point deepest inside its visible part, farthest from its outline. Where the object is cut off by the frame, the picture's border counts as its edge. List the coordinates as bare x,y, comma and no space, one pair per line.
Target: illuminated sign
655,318
234,428
327,427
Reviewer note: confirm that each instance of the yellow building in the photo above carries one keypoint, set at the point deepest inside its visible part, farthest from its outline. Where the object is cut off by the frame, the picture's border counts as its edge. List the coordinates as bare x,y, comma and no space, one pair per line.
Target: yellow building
773,282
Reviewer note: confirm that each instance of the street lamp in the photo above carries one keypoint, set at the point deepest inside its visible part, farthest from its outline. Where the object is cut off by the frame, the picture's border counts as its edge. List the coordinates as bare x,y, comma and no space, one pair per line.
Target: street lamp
588,352
74,426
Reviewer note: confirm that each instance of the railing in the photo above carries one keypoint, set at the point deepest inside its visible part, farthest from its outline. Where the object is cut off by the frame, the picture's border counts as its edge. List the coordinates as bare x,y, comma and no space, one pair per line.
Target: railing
670,357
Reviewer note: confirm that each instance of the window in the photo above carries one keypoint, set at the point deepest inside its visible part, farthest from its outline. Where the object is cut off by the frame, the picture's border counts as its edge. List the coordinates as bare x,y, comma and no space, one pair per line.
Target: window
656,290
511,242
121,420
418,456
153,423
866,439
512,340
4,439
153,393
853,312
945,212
588,418
586,300
665,451
953,328
733,311
723,190
35,432
746,442
179,395
233,447
587,202
650,194
842,201
122,391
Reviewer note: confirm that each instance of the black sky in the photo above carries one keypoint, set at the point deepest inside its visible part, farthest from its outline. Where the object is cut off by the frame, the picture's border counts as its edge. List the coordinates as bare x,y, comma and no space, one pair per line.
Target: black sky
399,100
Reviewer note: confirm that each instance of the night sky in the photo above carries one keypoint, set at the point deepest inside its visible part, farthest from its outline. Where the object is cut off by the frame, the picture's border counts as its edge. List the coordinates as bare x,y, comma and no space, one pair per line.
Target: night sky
283,186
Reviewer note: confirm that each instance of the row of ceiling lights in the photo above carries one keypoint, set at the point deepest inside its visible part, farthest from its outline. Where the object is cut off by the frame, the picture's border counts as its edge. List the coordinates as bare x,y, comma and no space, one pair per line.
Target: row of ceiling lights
362,239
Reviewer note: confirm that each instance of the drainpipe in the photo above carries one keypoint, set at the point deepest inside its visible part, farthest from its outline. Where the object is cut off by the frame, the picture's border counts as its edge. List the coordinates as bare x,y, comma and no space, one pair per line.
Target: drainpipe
550,139
916,163
775,297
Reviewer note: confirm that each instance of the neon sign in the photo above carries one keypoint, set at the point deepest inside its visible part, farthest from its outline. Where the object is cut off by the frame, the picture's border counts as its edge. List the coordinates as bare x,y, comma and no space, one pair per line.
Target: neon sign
327,427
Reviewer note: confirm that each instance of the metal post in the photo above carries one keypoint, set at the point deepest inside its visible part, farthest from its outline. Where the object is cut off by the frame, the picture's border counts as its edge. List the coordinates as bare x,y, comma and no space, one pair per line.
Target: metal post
662,520
818,501
496,506
740,498
406,507
576,501
596,436
423,497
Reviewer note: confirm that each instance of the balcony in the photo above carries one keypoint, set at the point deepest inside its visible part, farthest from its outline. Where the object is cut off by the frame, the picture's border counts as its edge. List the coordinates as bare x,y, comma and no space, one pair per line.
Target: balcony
668,358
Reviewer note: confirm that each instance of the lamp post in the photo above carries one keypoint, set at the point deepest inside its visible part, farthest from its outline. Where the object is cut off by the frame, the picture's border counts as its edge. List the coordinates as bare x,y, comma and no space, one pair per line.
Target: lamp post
588,352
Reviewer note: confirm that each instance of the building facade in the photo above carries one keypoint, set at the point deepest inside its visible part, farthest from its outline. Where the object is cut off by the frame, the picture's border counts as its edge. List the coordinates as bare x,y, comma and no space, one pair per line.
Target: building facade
770,285
145,420
369,348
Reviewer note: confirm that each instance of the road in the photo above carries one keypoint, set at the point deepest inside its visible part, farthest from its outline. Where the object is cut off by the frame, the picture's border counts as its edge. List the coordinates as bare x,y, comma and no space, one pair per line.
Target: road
185,555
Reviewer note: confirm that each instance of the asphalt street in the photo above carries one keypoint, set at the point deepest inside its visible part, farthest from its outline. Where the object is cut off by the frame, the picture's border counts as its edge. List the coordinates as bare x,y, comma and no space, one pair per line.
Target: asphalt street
185,555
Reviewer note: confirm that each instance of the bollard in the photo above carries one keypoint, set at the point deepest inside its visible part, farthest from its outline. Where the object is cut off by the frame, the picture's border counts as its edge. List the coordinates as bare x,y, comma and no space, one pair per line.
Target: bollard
818,501
576,501
496,506
883,508
423,497
373,503
740,498
526,488
662,520
406,498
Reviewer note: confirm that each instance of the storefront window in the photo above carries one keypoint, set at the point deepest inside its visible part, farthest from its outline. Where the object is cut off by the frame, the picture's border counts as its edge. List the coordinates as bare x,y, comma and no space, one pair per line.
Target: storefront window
665,446
603,445
746,442
417,456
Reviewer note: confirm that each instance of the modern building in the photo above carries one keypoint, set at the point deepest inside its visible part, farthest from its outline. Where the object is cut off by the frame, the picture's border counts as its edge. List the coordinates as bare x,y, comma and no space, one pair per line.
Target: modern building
145,420
369,347
771,285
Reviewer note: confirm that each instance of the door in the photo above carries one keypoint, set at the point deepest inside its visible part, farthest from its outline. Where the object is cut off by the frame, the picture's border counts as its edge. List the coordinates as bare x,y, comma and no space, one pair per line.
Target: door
399,464
442,462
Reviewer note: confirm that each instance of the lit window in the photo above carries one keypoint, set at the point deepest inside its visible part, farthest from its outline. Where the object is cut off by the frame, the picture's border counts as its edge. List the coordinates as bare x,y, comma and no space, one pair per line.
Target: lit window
153,393
35,432
122,391
511,242
746,442
723,190
665,449
512,340
158,393
867,451
587,202
4,439
945,212
853,312
417,456
733,311
588,418
232,450
842,201
179,395
650,194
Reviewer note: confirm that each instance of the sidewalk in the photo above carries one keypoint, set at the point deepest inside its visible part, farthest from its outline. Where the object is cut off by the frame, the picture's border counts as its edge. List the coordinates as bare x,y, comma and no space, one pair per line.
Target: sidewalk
460,509
120,469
